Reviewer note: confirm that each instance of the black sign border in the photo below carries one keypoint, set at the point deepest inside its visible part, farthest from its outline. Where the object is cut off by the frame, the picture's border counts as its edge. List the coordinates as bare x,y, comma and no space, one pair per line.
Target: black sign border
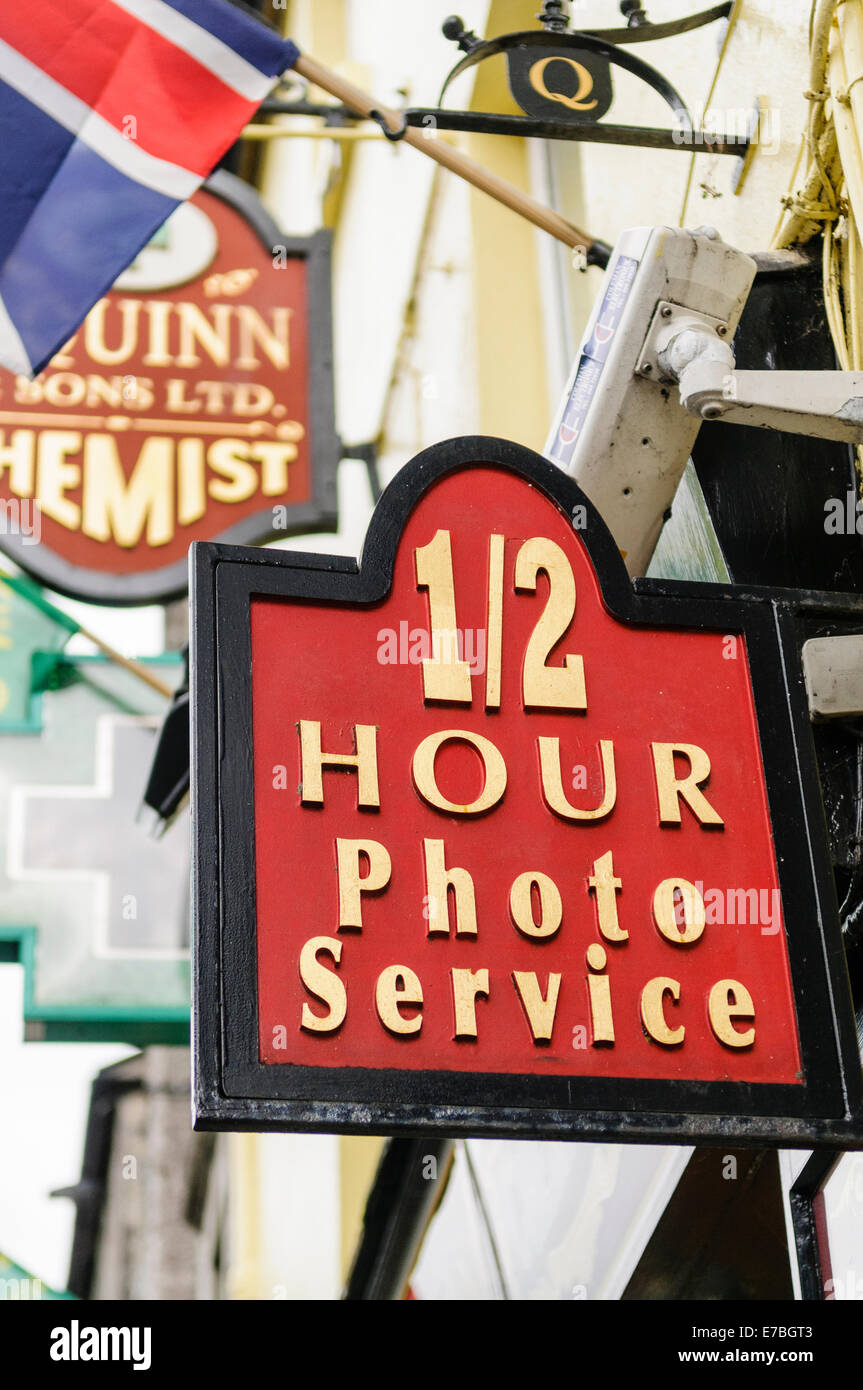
234,1090
802,1197
320,513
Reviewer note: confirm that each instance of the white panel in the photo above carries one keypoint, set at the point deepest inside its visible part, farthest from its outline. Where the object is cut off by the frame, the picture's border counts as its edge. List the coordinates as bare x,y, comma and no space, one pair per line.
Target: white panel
385,205
546,1221
457,1260
381,32
434,393
374,264
843,1209
571,1221
299,1216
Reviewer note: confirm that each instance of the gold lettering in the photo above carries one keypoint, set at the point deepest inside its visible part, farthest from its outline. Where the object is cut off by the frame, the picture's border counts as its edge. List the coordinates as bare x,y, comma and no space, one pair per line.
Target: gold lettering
665,911
54,476
544,686
599,994
466,985
196,330
552,784
99,390
191,493
250,398
175,397
94,331
158,353
521,905
397,985
538,1011
64,388
214,396
536,77
274,466
606,887
439,880
275,342
18,456
730,999
494,623
28,392
670,788
352,885
653,1012
313,760
444,676
323,985
228,458
494,768
119,509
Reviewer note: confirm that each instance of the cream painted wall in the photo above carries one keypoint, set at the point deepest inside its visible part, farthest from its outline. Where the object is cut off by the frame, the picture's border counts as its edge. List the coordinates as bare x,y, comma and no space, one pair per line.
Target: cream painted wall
605,188
284,1217
767,55
434,392
385,206
720,69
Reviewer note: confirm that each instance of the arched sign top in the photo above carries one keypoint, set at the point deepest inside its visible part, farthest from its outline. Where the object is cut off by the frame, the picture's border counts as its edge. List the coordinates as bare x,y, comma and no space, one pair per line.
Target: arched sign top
595,56
491,841
561,79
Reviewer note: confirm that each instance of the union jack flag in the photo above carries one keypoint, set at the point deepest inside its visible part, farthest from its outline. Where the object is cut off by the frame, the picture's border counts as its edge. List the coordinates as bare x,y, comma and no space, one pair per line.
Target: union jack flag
112,112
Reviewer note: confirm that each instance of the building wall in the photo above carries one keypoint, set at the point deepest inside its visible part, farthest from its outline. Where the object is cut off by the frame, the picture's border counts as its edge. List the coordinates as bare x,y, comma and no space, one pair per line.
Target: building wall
146,1248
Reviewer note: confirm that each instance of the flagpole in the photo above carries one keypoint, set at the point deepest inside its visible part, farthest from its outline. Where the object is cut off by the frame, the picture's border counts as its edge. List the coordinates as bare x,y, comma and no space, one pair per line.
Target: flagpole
32,594
134,667
444,153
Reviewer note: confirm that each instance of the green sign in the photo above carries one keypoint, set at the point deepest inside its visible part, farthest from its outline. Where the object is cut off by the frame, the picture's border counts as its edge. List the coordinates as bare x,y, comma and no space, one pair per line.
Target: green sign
26,627
93,908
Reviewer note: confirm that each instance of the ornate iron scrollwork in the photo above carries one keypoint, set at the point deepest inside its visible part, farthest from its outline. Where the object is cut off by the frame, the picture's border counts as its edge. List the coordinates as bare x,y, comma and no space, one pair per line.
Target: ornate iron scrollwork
562,81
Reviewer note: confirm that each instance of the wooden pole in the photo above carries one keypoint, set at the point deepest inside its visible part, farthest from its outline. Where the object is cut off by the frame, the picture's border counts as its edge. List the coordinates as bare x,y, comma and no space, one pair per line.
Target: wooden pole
439,150
134,667
31,593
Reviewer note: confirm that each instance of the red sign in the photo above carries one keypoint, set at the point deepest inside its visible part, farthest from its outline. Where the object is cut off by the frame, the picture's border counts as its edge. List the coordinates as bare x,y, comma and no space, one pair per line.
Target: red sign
488,841
195,402
589,798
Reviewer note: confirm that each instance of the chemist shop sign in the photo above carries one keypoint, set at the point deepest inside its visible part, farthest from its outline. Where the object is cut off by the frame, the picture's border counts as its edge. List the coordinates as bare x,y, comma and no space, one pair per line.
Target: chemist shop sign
194,402
488,841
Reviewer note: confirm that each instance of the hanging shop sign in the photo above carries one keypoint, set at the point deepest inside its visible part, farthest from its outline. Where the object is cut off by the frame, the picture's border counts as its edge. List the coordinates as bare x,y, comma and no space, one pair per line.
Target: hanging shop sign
27,637
195,402
95,910
488,841
562,84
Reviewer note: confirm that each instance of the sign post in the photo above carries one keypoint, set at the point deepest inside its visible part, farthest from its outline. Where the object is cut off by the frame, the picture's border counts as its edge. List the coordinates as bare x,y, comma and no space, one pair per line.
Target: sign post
490,841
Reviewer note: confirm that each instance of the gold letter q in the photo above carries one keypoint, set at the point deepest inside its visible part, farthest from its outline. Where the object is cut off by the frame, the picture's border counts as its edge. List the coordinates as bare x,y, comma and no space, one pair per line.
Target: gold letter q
585,83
